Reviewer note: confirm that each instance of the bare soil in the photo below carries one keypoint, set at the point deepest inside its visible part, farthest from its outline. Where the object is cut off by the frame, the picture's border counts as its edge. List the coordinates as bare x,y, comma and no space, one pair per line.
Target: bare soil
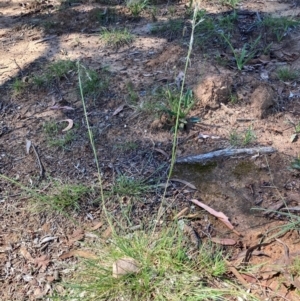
137,142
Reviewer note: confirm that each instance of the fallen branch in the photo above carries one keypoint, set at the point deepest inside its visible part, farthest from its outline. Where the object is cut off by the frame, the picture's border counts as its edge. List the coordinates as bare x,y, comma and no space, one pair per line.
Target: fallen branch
225,153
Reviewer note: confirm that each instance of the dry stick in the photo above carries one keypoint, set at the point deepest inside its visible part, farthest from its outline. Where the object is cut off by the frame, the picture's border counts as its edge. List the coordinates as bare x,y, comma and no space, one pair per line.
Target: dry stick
236,273
225,153
38,160
19,67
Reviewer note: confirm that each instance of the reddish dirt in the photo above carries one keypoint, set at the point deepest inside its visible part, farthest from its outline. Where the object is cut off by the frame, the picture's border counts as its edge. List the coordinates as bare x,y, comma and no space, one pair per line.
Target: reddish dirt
138,143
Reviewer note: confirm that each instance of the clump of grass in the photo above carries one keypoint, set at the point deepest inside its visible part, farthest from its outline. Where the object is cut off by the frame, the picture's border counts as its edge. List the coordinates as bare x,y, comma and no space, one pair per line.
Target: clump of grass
234,138
18,86
133,96
61,68
279,26
61,198
117,38
127,146
294,268
55,137
227,23
136,6
94,83
165,271
57,70
243,139
128,186
288,74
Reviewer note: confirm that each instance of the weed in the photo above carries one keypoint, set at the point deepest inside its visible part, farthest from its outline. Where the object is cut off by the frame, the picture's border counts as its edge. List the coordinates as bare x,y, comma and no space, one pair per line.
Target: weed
172,10
177,105
294,268
163,271
244,139
117,38
57,70
230,3
94,83
136,6
61,68
18,86
233,98
154,12
127,146
61,198
296,163
249,136
227,23
279,26
234,138
55,136
206,30
288,74
126,186
244,55
133,96
221,60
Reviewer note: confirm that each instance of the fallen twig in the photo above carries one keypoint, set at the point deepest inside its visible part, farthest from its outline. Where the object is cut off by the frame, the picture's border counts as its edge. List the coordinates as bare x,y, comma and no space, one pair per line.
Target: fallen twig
39,161
225,153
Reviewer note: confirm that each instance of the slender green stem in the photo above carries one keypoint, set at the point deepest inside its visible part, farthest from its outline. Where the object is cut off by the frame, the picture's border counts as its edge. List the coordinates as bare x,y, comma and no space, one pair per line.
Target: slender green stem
93,146
174,147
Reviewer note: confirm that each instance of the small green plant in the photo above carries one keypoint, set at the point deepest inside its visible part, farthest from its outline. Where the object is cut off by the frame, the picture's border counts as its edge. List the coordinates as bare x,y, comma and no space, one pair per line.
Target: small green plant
233,98
136,6
227,22
249,136
234,138
230,3
57,70
18,86
206,30
133,96
245,54
127,186
279,26
296,163
288,74
55,136
294,268
117,38
127,146
154,12
94,83
174,105
61,198
243,139
61,68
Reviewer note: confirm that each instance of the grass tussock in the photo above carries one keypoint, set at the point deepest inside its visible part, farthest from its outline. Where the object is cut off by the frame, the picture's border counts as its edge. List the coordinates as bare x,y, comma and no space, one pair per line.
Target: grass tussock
165,271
